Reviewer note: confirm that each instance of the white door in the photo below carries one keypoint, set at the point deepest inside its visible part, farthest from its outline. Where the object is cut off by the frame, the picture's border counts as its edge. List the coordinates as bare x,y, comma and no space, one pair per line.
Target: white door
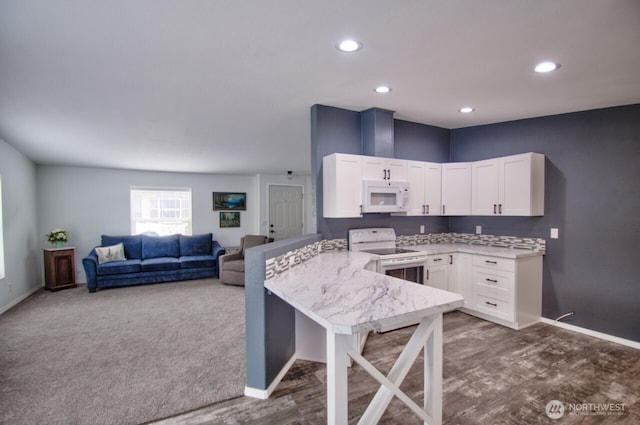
285,212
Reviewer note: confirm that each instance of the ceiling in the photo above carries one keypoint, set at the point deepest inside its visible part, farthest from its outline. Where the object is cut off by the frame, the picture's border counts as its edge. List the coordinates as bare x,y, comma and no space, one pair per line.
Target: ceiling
226,87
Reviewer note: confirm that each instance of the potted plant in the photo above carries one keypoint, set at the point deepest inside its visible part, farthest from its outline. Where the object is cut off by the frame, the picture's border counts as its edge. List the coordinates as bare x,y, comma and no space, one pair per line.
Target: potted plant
57,237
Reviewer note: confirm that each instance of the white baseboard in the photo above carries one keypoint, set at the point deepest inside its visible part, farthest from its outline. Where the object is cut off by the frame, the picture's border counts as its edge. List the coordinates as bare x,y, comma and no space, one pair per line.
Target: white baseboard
264,394
18,300
606,337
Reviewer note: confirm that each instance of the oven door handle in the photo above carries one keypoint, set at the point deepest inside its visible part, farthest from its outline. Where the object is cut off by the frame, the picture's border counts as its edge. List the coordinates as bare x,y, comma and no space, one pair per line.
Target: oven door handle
403,263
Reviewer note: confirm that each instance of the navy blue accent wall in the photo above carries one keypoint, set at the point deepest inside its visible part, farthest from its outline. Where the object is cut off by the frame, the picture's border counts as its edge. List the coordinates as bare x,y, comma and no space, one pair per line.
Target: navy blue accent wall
335,130
592,172
420,142
377,132
270,321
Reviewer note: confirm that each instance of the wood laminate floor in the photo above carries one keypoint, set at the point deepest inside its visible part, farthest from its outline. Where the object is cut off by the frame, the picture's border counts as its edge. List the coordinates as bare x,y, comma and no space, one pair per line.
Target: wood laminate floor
492,375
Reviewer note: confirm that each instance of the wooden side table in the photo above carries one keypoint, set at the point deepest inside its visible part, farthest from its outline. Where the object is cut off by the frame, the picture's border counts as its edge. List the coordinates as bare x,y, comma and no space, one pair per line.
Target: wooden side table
59,268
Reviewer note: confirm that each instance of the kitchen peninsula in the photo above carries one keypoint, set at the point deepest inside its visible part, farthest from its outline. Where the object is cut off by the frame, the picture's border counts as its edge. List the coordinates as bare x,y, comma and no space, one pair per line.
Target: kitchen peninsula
336,290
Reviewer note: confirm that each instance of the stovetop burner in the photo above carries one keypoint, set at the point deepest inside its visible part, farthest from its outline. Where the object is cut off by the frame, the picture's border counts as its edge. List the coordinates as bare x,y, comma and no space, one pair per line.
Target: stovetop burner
388,251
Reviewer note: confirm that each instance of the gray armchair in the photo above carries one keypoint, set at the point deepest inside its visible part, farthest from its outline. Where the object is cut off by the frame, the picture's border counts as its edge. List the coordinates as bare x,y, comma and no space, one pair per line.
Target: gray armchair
232,265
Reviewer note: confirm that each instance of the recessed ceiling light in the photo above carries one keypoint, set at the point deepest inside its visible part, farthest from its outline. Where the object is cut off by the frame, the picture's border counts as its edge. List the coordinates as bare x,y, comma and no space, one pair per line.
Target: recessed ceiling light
466,109
349,46
546,66
382,89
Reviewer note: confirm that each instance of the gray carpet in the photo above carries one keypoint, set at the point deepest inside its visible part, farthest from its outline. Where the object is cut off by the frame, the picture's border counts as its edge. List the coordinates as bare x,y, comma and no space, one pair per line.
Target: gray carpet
121,356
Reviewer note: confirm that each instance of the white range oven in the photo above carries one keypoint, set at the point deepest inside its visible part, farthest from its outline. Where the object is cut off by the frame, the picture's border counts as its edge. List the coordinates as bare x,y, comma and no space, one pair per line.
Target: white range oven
396,262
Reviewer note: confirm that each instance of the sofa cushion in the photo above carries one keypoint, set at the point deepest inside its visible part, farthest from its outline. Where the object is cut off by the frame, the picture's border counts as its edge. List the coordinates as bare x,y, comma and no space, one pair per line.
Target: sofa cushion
235,265
110,253
132,244
195,245
118,267
160,264
194,261
160,246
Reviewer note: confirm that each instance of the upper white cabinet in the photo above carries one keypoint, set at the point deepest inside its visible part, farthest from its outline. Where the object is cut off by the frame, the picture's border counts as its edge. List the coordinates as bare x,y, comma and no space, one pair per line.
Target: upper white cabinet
425,182
456,188
390,169
511,185
342,185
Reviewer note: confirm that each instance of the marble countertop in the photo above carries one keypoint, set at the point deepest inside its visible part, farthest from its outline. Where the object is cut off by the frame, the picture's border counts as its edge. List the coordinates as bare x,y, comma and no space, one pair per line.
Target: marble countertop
493,251
337,291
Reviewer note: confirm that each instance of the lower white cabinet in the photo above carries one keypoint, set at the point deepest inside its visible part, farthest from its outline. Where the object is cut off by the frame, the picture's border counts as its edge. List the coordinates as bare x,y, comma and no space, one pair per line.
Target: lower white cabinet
505,291
437,272
502,290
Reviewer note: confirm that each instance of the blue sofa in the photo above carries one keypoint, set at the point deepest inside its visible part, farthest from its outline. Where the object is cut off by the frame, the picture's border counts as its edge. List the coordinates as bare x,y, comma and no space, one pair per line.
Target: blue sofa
154,259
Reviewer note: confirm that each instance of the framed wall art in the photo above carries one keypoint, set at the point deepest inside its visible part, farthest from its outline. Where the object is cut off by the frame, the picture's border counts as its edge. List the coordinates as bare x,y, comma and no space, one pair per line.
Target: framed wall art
229,201
229,219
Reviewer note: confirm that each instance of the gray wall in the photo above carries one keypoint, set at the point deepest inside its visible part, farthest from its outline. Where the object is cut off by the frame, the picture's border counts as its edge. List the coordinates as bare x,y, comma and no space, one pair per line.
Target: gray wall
335,130
592,196
22,240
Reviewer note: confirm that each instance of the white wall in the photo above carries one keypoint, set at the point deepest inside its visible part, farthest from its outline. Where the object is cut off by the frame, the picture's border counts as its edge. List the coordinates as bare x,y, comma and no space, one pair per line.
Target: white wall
23,257
89,202
265,180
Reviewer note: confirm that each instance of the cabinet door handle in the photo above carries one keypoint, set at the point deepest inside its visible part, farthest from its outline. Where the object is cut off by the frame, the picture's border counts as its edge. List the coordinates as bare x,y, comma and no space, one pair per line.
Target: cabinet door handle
427,274
443,210
389,173
360,209
494,208
500,209
384,174
491,280
423,210
427,211
437,259
492,304
490,262
450,259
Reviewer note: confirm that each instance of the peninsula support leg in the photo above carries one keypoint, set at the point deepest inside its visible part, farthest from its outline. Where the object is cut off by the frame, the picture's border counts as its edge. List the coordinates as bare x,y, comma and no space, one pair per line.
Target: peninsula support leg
433,373
337,379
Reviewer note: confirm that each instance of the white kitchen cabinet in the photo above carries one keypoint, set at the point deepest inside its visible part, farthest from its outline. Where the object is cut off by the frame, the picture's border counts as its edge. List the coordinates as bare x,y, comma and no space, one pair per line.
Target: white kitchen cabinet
460,279
456,188
511,185
425,186
390,169
506,291
437,271
342,186
485,184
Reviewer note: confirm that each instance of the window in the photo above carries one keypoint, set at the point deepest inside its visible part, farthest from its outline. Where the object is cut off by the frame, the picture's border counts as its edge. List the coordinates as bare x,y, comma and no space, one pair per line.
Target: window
160,211
1,236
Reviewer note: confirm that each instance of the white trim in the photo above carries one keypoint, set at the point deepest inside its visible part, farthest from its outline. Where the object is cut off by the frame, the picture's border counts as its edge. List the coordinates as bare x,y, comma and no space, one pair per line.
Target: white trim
264,394
17,301
606,337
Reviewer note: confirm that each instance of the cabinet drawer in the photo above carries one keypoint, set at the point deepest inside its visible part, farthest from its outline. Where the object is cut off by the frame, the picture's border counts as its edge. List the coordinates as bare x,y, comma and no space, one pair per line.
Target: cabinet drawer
494,283
439,260
495,307
496,263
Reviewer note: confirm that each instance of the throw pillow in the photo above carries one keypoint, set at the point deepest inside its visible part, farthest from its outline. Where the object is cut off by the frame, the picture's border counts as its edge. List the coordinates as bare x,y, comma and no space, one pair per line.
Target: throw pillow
110,253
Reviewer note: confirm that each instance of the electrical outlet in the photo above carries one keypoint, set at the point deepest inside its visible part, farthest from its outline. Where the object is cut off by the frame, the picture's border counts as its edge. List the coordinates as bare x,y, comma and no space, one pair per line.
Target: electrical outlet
422,228
554,233
478,230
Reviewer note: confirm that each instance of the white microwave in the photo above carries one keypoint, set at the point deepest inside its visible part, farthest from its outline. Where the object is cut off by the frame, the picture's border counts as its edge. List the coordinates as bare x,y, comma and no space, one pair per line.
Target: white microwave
383,196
